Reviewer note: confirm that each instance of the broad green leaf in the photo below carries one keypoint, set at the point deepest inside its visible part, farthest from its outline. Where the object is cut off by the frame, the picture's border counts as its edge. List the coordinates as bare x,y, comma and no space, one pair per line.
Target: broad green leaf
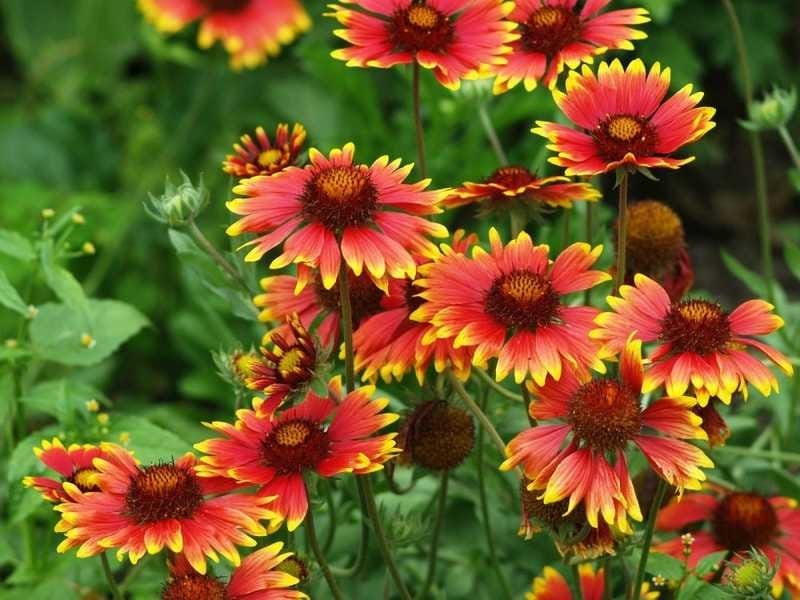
665,565
61,398
22,462
10,298
16,245
697,589
148,441
63,283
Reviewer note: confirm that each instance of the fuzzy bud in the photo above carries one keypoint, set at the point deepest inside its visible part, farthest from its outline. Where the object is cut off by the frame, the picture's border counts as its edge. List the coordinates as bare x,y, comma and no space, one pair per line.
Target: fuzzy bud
773,112
180,204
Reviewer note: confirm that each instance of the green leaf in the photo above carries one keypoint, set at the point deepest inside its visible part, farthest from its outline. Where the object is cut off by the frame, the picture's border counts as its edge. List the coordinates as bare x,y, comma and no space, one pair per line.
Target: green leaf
10,298
63,283
665,565
791,252
697,589
751,279
22,462
710,563
57,330
61,398
148,441
16,245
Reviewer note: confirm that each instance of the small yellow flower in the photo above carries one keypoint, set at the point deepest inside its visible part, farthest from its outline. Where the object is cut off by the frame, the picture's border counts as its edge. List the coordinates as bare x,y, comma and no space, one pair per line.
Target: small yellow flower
11,343
103,418
88,248
48,213
124,438
87,341
78,218
92,405
659,581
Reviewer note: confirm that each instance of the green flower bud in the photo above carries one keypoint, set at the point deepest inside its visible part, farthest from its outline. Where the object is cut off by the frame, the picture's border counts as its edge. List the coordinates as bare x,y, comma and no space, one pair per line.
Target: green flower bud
773,112
751,576
178,204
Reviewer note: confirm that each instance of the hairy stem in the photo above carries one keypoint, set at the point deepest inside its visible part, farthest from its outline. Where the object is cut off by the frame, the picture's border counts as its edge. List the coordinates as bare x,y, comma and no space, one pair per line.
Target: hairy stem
220,261
790,146
622,230
437,527
112,583
658,499
319,555
491,134
423,167
487,379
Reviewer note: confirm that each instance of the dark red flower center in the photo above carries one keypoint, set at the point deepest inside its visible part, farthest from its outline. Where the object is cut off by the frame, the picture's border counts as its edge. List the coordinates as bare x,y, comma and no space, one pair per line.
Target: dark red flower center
696,326
619,135
340,197
163,491
605,414
413,302
523,299
231,6
194,587
655,238
420,27
84,480
511,177
742,520
549,29
294,446
365,297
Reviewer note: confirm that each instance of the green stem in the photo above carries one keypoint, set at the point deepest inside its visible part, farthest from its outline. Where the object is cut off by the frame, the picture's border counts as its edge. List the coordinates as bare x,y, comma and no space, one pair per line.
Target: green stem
388,472
437,528
313,542
347,326
112,584
361,554
517,223
658,499
565,227
331,518
491,134
790,146
133,573
423,167
607,587
789,457
223,264
578,589
476,411
526,395
587,295
487,379
622,230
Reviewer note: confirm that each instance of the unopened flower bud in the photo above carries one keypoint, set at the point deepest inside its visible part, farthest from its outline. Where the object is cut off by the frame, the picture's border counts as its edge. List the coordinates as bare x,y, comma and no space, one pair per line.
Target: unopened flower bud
92,405
750,576
48,213
178,204
773,112
88,248
78,218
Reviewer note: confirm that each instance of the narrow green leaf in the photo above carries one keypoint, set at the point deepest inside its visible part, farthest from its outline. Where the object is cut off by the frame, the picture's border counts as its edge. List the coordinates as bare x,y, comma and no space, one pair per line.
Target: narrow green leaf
791,252
751,279
16,245
63,283
710,563
10,298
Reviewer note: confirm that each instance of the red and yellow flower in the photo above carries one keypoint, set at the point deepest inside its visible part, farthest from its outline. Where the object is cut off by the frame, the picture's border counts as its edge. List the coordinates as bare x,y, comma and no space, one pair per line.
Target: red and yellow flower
258,577
249,29
700,346
551,585
273,451
509,304
334,209
581,455
623,120
556,32
74,464
735,521
143,509
262,156
456,38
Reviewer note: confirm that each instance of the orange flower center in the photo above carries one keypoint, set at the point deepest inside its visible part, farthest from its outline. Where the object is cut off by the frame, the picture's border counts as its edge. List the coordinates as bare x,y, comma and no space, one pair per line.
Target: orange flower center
655,238
605,414
194,587
294,446
522,299
163,491
549,29
742,520
623,128
269,157
696,326
420,27
225,5
365,297
619,135
511,177
85,480
340,197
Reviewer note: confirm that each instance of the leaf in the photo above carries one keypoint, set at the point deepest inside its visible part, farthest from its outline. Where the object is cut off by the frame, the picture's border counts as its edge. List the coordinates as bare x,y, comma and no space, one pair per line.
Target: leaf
63,283
751,279
23,462
710,562
61,398
57,331
665,565
148,441
16,245
696,589
10,298
794,178
791,252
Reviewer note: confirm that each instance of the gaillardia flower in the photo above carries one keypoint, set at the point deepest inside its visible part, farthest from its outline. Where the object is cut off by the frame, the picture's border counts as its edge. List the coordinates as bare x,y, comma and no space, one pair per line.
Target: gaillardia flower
623,120
437,436
141,510
74,464
249,29
581,456
368,211
551,585
457,39
262,156
700,345
509,304
737,521
258,577
273,451
555,32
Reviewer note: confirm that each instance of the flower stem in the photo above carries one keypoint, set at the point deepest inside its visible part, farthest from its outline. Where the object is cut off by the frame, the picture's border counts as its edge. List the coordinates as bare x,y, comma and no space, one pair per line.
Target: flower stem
587,295
388,472
790,146
437,527
332,518
622,230
658,499
223,264
526,396
347,326
607,587
578,589
313,542
487,379
423,167
112,584
491,134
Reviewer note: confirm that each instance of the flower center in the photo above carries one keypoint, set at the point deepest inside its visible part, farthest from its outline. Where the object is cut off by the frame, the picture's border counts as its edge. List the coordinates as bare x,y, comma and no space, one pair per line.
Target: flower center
225,5
420,27
619,135
655,238
413,302
340,197
163,491
85,480
365,297
438,436
511,177
295,567
522,299
290,361
549,29
194,587
295,446
269,157
605,414
696,326
742,520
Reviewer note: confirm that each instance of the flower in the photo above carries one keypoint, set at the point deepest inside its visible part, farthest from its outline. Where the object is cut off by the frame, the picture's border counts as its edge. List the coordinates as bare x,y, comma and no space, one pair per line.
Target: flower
259,576
332,205
249,29
551,585
700,345
263,157
142,509
554,32
275,450
74,465
437,436
514,185
508,304
581,455
455,39
623,120
735,521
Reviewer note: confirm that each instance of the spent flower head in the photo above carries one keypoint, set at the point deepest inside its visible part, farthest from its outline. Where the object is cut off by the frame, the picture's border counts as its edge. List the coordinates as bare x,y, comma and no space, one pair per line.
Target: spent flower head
179,204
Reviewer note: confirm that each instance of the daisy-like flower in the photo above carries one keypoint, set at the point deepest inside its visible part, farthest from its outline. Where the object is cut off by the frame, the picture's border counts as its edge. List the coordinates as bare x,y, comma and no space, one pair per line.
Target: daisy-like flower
368,211
455,38
143,509
274,451
700,346
262,156
258,577
581,455
551,585
723,519
623,120
249,29
508,304
390,343
555,32
73,464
